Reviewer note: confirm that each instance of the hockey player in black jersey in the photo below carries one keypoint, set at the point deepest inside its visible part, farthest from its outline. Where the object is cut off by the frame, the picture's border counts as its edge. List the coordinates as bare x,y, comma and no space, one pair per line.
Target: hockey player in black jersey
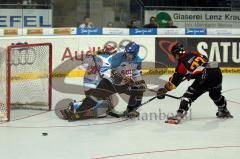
207,78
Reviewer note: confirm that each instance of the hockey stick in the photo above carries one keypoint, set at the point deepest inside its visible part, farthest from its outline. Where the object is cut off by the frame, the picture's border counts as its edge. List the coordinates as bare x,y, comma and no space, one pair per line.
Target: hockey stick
171,96
117,115
168,95
123,115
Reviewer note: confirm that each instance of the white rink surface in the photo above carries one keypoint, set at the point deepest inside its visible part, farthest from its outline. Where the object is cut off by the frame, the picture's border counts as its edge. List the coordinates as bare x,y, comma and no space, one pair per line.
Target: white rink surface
202,137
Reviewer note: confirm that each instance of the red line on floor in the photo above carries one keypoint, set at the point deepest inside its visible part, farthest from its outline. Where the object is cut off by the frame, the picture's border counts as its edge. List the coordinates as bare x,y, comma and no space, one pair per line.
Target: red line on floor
169,150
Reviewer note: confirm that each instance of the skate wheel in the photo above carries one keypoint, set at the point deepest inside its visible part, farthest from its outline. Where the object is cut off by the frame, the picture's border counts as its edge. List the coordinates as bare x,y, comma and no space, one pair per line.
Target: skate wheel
172,121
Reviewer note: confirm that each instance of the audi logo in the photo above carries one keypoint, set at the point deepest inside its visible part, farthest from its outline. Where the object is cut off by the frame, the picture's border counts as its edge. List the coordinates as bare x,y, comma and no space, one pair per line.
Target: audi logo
23,56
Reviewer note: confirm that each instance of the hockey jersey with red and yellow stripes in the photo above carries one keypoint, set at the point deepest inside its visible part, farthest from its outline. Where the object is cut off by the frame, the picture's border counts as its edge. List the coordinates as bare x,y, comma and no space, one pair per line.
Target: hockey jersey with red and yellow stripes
190,66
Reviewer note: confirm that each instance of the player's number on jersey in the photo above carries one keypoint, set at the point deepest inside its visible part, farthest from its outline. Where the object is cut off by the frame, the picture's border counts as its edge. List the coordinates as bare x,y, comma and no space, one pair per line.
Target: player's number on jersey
197,61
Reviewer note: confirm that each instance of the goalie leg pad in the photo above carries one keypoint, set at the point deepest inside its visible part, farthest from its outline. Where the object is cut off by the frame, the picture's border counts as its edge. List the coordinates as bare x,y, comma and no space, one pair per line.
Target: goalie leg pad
102,108
90,108
88,103
65,114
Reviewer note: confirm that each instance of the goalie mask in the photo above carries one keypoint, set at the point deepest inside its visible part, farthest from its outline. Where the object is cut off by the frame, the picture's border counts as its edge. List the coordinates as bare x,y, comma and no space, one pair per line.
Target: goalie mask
109,49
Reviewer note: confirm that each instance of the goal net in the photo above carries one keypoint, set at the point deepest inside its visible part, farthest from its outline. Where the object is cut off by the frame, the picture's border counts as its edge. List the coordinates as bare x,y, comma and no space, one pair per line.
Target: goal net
25,79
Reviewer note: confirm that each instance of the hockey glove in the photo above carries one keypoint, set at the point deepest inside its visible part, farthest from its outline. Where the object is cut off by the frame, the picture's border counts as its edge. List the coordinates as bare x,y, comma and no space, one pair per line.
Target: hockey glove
116,77
140,85
128,81
161,93
169,86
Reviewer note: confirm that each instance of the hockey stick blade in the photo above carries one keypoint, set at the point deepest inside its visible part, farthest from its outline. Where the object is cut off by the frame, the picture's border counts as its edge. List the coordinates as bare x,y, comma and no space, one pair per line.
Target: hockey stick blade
171,96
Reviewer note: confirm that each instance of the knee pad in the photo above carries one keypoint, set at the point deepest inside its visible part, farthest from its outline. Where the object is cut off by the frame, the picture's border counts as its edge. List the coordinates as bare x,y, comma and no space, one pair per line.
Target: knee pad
189,93
185,103
188,100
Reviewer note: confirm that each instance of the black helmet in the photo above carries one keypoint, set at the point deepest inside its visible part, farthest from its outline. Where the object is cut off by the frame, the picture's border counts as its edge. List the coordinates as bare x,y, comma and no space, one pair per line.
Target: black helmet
177,49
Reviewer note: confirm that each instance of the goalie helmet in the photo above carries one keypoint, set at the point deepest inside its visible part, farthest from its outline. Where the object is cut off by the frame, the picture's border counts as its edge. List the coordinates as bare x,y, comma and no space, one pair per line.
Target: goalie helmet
109,49
132,48
178,49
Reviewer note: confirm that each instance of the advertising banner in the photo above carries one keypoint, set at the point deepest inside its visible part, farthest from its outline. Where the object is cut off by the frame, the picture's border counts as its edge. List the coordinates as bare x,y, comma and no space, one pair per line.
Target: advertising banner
37,31
195,19
171,31
89,31
115,31
196,31
25,18
10,32
64,31
225,51
143,31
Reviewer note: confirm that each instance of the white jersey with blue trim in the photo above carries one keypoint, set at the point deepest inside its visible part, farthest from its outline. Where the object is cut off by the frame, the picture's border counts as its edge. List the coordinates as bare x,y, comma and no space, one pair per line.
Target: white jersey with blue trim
130,68
91,77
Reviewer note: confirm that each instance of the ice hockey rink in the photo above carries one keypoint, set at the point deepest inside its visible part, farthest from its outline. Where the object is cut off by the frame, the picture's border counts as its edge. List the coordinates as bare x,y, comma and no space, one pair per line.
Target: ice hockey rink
200,136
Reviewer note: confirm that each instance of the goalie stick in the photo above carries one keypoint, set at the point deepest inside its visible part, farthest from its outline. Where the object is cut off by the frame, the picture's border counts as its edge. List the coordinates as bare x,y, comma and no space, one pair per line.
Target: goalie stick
146,102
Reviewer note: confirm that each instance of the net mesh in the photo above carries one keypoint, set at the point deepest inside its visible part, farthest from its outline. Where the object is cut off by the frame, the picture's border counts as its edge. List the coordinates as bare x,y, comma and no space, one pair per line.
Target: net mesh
3,106
29,78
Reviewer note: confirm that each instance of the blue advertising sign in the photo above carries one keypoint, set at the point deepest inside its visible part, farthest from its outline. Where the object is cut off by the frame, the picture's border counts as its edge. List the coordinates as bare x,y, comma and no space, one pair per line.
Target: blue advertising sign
196,31
143,31
89,31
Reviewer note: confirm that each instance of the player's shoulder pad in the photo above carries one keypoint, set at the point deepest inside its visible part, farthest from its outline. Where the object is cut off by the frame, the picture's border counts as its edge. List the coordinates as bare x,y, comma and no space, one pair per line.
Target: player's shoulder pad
199,54
196,53
116,59
138,59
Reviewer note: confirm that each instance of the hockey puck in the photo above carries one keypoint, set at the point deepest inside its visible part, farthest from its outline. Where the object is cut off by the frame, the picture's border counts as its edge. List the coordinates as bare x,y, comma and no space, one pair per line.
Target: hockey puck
44,134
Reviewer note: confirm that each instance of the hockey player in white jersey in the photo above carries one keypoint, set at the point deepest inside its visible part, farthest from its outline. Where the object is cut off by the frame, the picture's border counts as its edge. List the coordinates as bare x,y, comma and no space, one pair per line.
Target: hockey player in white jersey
125,78
96,66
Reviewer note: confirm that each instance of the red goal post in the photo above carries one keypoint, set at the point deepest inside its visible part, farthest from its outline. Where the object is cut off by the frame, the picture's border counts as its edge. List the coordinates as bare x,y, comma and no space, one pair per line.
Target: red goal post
26,78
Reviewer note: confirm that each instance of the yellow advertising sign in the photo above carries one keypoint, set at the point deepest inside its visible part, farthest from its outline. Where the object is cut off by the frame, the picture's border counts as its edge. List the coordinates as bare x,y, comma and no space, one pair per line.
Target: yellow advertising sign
61,31
35,31
10,32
